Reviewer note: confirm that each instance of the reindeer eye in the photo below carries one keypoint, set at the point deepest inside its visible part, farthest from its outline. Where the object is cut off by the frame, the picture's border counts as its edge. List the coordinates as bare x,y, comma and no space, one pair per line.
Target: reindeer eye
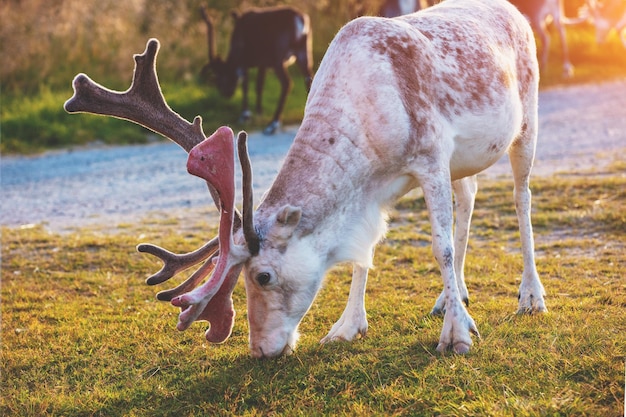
263,278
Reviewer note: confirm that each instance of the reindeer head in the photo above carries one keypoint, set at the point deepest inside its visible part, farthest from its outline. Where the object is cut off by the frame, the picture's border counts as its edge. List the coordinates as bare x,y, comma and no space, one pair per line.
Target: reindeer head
281,268
281,283
226,77
226,73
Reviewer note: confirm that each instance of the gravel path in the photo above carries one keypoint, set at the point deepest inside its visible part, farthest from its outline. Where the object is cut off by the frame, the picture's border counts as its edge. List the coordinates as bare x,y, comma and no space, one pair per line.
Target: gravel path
582,128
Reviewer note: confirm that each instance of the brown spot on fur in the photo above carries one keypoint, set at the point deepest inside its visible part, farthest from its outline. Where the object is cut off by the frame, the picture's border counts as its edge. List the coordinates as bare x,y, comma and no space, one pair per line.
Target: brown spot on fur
414,77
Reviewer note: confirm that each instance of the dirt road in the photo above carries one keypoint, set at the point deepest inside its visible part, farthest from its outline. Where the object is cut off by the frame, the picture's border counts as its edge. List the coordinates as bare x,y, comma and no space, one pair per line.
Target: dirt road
582,128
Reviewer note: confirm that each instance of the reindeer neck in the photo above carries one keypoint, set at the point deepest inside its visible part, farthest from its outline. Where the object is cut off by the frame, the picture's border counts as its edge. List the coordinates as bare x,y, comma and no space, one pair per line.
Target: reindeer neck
324,174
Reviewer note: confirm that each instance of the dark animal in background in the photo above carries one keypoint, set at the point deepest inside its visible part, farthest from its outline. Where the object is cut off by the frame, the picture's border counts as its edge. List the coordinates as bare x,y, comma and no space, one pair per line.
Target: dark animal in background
262,38
395,8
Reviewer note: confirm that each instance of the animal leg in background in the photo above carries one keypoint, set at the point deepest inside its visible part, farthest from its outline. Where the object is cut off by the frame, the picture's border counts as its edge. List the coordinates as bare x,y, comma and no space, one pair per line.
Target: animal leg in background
246,114
285,87
260,82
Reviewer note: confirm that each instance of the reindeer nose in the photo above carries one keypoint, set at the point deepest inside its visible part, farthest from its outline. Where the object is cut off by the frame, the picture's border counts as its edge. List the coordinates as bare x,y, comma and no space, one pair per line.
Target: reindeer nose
257,352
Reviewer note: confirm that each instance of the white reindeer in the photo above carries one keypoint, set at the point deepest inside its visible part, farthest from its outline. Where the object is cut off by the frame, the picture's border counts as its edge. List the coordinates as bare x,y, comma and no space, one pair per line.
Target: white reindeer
608,15
425,100
540,14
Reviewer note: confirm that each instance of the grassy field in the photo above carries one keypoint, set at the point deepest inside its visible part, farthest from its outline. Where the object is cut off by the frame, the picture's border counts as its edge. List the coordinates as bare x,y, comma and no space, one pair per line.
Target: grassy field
82,335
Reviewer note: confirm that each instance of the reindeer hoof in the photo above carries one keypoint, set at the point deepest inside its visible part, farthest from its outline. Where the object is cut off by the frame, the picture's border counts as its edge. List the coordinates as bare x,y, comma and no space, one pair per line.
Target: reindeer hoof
437,312
568,70
530,297
271,128
245,116
534,309
461,348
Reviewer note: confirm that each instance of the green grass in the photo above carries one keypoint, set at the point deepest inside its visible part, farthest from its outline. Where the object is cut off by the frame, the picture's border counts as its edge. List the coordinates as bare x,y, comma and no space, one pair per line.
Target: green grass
82,335
37,123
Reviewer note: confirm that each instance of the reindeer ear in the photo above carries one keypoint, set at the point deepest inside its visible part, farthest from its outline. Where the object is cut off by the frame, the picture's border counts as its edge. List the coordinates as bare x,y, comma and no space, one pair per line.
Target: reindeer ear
289,216
287,220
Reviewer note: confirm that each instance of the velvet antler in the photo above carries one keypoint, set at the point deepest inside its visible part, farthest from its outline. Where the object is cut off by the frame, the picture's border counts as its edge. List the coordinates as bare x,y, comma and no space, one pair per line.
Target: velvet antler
211,158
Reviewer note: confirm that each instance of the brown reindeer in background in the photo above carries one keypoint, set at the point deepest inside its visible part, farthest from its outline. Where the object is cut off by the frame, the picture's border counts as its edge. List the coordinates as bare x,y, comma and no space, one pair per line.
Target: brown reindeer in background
262,38
395,8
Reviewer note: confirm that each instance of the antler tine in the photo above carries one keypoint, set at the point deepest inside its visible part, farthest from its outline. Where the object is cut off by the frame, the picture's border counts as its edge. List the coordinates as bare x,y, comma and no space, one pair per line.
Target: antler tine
191,282
249,232
210,32
204,12
142,103
175,263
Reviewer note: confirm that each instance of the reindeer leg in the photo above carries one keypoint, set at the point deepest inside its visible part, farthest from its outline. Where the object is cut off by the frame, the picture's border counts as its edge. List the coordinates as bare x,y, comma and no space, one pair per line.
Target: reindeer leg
621,31
305,62
353,321
568,68
245,110
457,323
464,197
545,45
521,155
260,84
285,86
